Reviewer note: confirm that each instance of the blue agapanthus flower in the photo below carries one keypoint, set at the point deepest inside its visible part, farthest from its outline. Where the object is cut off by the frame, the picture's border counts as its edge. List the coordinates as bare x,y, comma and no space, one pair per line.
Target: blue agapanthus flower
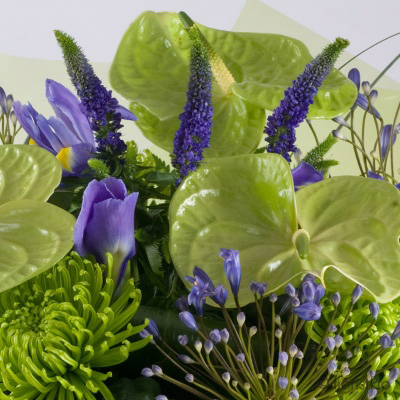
193,135
293,109
103,110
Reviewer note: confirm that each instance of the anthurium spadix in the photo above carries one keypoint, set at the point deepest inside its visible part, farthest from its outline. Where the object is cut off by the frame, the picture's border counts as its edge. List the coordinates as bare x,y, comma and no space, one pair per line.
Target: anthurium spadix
343,230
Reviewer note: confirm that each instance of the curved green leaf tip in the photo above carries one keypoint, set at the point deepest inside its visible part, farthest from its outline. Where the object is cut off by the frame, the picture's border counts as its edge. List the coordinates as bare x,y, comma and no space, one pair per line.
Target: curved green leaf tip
150,68
345,230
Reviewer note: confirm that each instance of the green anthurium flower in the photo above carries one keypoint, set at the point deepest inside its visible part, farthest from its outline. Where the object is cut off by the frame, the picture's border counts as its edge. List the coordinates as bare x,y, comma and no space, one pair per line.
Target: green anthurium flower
34,235
151,68
343,230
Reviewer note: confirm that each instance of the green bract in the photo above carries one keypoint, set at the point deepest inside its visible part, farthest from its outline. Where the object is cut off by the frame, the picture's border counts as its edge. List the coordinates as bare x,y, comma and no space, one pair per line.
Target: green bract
59,326
33,234
248,203
151,69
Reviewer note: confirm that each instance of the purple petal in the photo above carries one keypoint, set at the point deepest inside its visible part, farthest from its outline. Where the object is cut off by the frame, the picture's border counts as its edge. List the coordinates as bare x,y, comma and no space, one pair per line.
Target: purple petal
373,175
74,159
67,107
305,174
115,187
354,76
362,102
125,113
385,136
308,311
112,230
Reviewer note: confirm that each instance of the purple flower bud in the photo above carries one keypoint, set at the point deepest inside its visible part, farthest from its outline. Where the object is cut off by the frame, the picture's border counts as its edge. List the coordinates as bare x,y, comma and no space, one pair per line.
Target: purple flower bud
226,377
386,341
346,371
366,87
187,318
348,354
233,269
208,346
338,341
240,357
309,311
258,287
393,375
357,292
241,317
215,336
153,330
224,335
332,366
396,332
335,299
332,328
308,288
330,343
273,298
283,358
278,333
198,345
372,393
182,304
189,378
144,334
183,340
374,310
3,101
147,372
186,359
339,135
290,290
270,370
157,370
283,382
371,375
299,355
294,394
220,296
293,350
295,302
373,96
319,293
341,121
354,75
253,287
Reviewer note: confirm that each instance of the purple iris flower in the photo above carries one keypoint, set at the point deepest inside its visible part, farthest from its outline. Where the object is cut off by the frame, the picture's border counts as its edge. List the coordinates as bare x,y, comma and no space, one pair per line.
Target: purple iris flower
305,174
68,135
233,269
106,224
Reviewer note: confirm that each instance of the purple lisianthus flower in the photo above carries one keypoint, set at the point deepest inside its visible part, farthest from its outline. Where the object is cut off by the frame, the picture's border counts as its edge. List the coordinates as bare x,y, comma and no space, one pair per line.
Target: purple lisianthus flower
68,135
106,224
305,174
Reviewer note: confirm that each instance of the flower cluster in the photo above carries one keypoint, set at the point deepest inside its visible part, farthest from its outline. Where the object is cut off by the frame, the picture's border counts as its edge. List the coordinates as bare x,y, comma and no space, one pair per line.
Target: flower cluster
193,135
8,118
97,102
273,358
293,109
62,325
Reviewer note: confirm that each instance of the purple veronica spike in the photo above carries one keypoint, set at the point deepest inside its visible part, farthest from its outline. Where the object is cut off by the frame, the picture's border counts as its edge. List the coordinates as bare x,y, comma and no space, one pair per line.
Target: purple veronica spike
283,382
106,224
293,109
96,101
305,174
68,136
187,318
194,132
233,269
308,311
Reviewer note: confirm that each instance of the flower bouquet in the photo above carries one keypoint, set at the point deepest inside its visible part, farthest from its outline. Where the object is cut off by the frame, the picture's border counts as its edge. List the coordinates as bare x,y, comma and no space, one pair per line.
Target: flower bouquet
237,268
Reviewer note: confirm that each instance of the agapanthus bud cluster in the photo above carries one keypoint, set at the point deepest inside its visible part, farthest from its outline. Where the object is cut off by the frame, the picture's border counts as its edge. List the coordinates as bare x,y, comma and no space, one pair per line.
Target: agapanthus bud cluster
8,120
267,356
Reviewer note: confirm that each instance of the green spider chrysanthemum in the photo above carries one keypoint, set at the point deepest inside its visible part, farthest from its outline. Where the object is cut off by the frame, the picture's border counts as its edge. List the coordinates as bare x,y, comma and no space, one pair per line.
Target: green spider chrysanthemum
361,336
59,326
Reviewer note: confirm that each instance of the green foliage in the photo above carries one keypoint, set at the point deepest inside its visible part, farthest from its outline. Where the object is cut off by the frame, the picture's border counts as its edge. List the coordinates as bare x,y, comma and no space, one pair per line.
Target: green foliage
315,157
60,327
33,234
363,339
248,203
99,168
151,69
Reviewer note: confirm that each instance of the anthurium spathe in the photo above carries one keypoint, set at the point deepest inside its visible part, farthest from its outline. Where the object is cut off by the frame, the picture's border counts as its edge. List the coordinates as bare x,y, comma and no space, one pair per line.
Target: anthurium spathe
343,229
106,224
68,135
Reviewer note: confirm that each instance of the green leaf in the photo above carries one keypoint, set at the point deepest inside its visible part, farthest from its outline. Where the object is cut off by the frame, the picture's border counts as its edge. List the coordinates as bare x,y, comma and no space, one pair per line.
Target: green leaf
151,69
247,203
33,236
27,172
354,225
